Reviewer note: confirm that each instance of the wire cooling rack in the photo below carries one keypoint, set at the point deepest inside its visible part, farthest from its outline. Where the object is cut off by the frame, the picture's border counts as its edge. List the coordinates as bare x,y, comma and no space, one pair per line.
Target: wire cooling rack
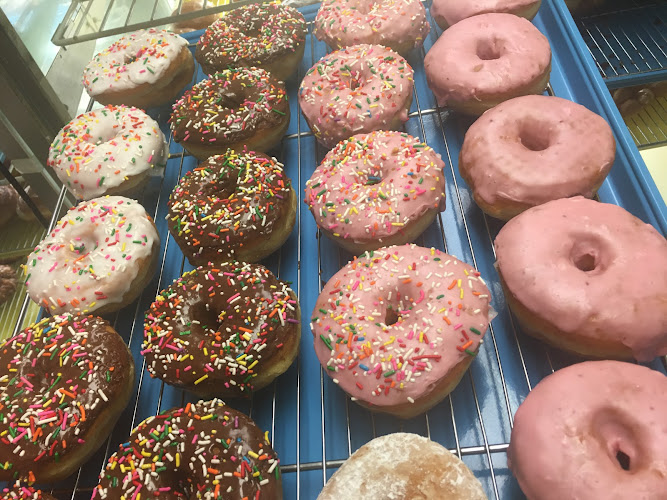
313,425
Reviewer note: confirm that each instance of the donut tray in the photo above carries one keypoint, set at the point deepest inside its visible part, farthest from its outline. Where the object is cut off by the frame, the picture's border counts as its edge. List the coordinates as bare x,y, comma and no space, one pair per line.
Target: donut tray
313,425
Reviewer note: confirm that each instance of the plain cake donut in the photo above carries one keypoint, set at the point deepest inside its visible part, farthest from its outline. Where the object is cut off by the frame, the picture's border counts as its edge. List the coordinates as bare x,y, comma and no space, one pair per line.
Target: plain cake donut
448,12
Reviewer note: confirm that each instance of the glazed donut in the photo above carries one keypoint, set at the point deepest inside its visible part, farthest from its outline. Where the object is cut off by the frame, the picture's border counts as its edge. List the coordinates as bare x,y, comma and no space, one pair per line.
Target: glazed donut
356,90
8,201
143,69
236,108
529,150
377,189
197,23
485,60
398,327
222,330
25,213
406,465
400,25
206,447
268,36
233,206
594,283
107,151
593,430
99,257
22,492
8,282
448,12
66,381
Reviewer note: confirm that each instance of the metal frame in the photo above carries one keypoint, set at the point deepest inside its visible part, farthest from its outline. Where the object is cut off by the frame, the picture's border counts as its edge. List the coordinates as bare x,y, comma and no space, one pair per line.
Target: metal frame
648,127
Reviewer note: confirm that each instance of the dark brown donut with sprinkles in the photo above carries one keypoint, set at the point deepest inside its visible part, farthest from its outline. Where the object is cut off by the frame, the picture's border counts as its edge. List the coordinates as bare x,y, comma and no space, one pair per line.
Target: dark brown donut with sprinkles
23,492
222,330
66,381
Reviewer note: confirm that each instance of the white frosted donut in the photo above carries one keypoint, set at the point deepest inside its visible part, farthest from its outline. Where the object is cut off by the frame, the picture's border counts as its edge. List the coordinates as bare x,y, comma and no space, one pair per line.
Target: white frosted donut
107,151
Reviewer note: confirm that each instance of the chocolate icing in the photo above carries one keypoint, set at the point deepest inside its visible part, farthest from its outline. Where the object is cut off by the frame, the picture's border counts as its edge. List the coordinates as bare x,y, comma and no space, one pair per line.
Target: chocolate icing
23,492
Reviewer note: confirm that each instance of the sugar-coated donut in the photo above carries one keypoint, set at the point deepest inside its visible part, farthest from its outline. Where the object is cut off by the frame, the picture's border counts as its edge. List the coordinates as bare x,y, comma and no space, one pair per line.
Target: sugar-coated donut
143,69
587,277
66,381
529,150
240,205
400,25
356,90
99,257
448,12
206,450
222,330
403,466
22,492
107,151
593,430
398,327
377,189
270,36
485,60
236,108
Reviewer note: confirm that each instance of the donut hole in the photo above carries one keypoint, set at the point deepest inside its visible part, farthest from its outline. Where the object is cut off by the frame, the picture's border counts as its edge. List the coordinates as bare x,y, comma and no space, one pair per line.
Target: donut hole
533,136
101,136
367,6
488,49
230,99
207,318
391,316
585,262
616,433
399,304
623,460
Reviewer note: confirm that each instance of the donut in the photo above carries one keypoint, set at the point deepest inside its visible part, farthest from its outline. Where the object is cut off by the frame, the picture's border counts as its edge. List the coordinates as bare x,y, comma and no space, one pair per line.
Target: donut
485,60
377,189
397,328
236,108
25,213
144,69
107,151
356,90
403,466
593,430
400,25
529,150
448,12
8,282
197,23
99,257
268,36
207,447
66,381
22,492
222,330
8,200
594,283
240,205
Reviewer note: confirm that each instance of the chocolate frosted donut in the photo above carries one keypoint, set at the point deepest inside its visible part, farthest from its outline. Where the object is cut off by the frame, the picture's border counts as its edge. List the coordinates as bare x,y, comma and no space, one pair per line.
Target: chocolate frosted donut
222,330
22,492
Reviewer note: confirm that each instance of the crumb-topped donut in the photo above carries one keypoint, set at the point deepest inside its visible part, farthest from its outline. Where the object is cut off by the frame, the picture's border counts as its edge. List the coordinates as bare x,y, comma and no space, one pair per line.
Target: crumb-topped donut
594,283
22,492
377,189
222,330
207,450
107,151
400,25
66,381
268,36
398,327
99,257
240,205
356,90
143,69
593,430
236,108
448,12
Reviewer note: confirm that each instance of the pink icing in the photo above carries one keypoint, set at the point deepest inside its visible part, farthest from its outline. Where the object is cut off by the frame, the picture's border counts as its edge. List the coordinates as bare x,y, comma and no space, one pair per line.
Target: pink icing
454,11
529,150
442,306
569,430
354,90
486,56
372,185
621,299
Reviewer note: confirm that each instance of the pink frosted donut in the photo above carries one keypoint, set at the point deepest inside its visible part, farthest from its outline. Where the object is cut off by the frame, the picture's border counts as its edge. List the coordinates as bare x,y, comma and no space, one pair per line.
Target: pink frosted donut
593,430
449,12
529,150
377,189
485,60
587,277
398,327
356,90
398,24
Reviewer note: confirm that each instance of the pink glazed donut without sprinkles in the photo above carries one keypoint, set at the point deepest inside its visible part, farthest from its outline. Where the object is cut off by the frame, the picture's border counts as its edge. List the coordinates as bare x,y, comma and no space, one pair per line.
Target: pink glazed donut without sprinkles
400,25
356,90
448,12
398,327
587,277
485,60
377,189
529,150
593,430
